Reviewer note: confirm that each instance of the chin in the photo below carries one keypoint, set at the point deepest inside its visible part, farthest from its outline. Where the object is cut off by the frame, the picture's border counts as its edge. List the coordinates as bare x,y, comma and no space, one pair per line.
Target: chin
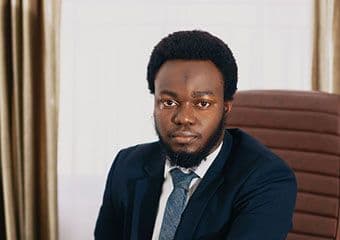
185,150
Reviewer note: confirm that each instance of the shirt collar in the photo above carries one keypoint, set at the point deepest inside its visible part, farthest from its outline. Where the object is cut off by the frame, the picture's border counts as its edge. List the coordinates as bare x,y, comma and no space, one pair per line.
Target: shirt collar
201,169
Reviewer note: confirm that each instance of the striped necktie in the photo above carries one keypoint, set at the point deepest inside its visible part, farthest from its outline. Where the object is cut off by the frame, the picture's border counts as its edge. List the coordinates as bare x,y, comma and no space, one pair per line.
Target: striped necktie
176,203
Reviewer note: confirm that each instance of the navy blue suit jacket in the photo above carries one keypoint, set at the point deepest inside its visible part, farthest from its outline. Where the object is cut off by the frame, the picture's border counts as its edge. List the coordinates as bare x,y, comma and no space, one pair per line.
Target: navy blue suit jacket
248,193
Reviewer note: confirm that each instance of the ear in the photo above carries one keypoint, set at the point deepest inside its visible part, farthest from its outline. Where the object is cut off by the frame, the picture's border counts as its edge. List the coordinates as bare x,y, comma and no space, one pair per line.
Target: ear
228,106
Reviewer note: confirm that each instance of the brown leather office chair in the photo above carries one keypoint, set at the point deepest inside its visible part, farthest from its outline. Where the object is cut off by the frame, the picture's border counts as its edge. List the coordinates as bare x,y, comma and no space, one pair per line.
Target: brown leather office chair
304,129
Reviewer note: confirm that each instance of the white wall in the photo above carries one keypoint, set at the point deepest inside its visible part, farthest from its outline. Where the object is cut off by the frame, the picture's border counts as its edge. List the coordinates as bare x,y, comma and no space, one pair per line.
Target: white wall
104,101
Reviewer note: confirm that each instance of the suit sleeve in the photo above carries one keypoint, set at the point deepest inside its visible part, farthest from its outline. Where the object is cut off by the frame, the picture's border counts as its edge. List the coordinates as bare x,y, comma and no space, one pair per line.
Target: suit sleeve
109,222
265,204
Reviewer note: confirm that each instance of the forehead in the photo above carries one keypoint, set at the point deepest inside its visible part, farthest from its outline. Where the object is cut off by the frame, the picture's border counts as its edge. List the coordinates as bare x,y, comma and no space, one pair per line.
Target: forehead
189,75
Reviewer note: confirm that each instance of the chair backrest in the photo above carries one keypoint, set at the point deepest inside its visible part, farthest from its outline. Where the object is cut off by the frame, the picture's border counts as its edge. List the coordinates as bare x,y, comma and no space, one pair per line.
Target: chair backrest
304,129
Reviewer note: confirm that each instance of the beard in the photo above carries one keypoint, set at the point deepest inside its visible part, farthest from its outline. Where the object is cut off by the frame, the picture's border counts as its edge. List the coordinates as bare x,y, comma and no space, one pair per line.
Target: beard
192,159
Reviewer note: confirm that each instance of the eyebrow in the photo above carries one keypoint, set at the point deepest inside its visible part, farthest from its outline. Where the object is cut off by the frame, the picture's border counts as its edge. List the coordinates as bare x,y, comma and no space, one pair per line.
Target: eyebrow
195,94
167,92
202,93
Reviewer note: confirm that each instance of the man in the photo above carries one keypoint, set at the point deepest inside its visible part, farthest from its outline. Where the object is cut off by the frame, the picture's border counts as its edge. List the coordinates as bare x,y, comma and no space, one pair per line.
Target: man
199,181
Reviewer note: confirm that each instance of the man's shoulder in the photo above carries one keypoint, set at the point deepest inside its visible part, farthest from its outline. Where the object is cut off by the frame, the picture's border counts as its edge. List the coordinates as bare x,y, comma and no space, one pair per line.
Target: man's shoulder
252,164
140,149
245,143
134,157
253,153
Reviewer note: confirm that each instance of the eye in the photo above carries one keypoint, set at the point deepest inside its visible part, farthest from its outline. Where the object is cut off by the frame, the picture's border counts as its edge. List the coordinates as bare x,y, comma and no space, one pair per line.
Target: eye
203,104
169,103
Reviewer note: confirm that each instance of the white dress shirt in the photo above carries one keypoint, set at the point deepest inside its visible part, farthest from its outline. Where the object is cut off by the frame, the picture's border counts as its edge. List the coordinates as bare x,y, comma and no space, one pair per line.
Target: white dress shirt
167,187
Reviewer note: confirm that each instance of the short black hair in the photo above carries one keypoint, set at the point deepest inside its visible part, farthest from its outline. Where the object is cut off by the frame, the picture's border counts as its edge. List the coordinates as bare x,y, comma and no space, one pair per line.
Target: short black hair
194,45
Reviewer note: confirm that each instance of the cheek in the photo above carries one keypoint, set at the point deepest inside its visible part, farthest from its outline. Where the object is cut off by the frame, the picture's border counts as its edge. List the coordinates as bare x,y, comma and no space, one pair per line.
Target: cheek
162,119
210,122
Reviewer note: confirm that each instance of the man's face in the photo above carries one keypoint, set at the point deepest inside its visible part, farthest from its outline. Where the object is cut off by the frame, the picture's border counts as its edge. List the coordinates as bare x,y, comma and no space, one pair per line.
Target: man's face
189,108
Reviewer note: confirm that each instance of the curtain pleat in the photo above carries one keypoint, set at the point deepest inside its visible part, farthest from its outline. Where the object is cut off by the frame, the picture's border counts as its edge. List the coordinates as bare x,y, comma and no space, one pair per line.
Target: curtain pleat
28,118
326,46
336,46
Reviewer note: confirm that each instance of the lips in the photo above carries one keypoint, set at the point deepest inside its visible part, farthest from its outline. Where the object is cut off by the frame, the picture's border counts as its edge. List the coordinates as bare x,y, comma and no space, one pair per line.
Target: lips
183,137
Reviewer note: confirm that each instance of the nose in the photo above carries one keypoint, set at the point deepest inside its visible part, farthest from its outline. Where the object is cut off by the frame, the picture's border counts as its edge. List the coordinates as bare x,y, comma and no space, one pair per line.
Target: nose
184,115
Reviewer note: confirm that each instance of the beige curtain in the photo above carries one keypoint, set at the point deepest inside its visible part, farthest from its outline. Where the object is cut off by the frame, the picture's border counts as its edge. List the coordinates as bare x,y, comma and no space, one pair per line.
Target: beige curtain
336,46
326,47
29,33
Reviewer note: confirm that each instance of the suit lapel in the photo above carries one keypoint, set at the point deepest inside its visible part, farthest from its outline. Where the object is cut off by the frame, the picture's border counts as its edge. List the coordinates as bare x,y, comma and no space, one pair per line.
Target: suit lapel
147,190
205,190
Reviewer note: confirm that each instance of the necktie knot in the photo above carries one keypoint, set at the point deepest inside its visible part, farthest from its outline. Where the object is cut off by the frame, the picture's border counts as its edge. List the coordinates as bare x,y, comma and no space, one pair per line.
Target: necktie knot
181,179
